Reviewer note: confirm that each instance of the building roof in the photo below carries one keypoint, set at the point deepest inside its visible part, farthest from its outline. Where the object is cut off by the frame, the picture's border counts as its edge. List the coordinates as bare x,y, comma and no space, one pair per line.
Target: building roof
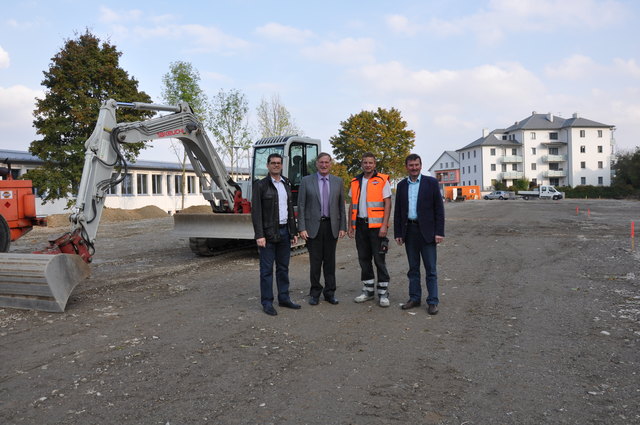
490,140
550,122
26,158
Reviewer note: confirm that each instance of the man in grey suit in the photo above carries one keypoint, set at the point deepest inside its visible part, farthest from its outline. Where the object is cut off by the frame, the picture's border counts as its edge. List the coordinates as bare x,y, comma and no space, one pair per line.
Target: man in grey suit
321,221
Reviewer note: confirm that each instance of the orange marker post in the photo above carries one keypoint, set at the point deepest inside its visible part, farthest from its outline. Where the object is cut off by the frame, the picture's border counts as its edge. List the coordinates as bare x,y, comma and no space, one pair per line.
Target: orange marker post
577,210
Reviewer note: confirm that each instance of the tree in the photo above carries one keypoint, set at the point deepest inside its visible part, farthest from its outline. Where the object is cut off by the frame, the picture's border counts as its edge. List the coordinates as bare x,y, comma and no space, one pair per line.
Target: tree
382,132
229,123
81,76
274,119
627,168
182,84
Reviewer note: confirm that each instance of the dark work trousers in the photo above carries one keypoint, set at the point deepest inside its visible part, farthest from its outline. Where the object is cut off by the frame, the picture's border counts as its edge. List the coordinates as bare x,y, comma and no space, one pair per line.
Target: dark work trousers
322,257
368,245
280,253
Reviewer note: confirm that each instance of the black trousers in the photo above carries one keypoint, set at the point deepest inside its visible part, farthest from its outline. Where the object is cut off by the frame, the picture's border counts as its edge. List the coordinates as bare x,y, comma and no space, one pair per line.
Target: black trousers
368,246
322,258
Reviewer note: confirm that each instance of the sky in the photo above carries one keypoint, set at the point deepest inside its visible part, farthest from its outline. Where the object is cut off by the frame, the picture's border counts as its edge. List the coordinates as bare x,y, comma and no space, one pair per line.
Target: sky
451,67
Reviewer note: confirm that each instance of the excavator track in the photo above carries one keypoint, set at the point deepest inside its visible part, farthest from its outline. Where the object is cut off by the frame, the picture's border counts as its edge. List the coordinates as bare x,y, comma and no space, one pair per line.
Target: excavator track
40,281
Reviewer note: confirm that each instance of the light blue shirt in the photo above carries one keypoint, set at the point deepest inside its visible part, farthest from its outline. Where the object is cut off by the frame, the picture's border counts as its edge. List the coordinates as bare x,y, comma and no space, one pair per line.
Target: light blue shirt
412,213
283,211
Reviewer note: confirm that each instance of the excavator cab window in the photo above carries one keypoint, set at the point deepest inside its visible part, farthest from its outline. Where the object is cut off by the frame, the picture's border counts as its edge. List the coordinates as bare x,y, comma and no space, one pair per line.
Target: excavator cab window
260,170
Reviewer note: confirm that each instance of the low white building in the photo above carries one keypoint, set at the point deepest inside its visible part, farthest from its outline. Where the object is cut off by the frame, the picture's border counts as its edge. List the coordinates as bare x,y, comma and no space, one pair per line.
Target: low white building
543,148
146,183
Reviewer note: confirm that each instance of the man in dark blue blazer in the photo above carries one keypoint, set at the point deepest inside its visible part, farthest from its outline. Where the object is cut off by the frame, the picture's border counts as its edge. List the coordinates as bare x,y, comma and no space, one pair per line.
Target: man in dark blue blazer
418,223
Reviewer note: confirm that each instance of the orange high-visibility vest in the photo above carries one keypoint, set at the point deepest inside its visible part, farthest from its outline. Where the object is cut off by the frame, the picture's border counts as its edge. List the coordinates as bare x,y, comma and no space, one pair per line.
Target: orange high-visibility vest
375,200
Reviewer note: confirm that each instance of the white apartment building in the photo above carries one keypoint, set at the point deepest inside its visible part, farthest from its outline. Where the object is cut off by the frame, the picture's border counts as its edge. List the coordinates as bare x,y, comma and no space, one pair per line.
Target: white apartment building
543,148
146,183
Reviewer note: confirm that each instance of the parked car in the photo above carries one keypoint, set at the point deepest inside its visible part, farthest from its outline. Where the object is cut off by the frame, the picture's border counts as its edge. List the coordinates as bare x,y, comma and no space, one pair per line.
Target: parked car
499,194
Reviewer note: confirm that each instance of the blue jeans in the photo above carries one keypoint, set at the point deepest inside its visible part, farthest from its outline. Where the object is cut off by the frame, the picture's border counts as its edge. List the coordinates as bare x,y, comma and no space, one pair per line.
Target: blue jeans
280,253
416,248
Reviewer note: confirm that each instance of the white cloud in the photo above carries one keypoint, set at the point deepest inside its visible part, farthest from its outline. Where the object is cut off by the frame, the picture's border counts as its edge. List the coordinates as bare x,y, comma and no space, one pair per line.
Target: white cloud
573,67
401,25
283,33
628,67
4,58
111,16
16,115
348,51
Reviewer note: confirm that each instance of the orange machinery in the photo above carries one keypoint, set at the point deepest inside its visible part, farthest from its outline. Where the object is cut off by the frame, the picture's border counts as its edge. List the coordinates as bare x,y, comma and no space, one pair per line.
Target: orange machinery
17,209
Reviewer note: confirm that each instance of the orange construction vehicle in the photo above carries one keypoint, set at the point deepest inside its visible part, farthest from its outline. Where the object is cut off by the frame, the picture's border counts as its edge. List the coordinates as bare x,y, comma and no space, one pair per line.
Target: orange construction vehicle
17,208
461,193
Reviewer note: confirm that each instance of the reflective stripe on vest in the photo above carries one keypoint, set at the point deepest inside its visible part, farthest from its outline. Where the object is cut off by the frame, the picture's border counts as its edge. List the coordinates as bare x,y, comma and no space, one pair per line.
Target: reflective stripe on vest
374,202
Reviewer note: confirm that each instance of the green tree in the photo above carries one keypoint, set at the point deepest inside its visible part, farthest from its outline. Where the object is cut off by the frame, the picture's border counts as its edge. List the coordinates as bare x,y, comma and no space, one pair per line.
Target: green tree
182,84
229,123
382,132
627,169
274,119
83,74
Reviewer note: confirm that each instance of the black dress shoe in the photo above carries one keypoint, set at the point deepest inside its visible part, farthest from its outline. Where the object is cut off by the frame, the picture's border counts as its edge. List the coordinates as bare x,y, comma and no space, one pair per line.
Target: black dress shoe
331,300
432,309
313,300
270,310
410,304
289,304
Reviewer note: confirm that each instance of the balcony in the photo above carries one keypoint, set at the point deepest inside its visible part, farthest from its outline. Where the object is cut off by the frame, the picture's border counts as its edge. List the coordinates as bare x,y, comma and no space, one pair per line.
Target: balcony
554,158
510,175
509,159
554,173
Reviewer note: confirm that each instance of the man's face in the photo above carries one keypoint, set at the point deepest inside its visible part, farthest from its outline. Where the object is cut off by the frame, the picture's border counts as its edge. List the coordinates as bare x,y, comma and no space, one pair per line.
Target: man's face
413,168
368,165
275,166
324,165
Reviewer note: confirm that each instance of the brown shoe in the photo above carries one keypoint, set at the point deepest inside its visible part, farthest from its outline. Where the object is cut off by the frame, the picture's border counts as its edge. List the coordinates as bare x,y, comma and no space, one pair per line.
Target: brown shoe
410,304
432,309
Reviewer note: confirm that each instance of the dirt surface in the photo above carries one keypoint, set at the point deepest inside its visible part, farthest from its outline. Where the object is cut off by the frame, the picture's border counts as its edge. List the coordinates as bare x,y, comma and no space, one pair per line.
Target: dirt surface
538,324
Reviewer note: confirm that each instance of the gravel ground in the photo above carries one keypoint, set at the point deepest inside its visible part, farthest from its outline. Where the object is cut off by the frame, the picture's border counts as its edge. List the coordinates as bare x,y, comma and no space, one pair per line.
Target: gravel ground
538,324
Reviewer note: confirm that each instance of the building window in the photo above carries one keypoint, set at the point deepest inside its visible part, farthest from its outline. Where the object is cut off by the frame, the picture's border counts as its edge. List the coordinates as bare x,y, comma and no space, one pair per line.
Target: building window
504,167
533,165
493,167
533,151
600,181
583,149
493,151
553,151
504,137
191,184
582,133
553,136
156,184
141,180
514,151
127,185
514,167
599,133
475,169
533,135
469,169
599,164
177,187
583,180
169,191
600,149
474,154
583,164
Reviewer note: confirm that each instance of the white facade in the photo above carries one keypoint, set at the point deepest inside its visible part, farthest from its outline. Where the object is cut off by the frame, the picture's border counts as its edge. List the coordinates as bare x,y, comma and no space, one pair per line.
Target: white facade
543,149
147,183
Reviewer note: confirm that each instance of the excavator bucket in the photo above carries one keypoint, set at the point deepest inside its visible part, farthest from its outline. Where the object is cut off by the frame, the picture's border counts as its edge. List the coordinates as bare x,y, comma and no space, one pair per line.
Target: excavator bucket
40,281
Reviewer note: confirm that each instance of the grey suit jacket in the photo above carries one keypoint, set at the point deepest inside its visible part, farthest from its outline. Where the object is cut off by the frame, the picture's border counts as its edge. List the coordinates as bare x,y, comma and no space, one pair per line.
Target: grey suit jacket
309,205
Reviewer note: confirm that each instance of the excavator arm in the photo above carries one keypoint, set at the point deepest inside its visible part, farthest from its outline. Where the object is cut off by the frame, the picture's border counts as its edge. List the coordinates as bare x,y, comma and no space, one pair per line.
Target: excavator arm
103,156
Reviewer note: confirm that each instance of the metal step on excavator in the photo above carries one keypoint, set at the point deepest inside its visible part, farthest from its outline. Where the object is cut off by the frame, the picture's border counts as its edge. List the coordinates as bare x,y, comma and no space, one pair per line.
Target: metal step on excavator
45,279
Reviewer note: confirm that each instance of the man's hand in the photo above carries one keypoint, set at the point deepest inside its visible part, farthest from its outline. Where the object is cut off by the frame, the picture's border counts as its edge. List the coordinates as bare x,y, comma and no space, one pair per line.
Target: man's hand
262,242
341,234
439,239
383,231
351,232
295,240
399,241
304,235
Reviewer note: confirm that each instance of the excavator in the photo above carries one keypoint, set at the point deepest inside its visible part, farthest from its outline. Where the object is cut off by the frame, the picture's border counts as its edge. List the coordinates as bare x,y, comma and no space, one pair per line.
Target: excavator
45,279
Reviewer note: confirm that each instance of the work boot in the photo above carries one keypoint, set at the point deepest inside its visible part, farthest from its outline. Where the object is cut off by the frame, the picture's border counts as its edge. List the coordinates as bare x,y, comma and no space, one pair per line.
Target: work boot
383,294
367,292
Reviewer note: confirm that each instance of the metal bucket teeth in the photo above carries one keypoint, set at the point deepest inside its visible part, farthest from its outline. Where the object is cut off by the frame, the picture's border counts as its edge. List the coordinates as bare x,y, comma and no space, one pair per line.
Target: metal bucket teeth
39,281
